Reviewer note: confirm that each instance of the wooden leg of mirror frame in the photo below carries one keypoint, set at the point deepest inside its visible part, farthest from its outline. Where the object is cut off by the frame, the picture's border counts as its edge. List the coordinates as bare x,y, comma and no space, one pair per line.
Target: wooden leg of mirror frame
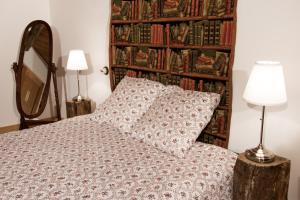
23,124
56,95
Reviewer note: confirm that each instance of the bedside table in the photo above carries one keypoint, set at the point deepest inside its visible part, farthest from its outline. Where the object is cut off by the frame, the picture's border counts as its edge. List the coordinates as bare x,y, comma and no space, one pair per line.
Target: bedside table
75,108
261,181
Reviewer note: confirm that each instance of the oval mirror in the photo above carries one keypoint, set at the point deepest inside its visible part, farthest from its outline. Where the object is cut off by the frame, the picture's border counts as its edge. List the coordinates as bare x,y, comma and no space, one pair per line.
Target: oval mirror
33,70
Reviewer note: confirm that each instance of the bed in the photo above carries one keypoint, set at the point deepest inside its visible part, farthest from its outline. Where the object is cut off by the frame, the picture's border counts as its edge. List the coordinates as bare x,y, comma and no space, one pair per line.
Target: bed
87,157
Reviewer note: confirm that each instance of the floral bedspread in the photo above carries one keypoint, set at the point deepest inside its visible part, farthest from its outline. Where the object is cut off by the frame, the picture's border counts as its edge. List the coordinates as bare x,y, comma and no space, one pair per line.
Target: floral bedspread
81,159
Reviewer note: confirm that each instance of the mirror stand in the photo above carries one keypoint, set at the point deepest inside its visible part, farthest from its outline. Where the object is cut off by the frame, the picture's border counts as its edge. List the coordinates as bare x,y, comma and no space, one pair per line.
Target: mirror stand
33,75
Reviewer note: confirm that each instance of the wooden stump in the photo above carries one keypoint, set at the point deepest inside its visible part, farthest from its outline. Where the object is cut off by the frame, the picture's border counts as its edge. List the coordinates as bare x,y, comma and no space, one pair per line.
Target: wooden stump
258,181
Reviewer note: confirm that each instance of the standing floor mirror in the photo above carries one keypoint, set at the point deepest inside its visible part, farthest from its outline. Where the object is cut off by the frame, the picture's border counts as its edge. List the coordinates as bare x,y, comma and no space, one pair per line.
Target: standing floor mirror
33,74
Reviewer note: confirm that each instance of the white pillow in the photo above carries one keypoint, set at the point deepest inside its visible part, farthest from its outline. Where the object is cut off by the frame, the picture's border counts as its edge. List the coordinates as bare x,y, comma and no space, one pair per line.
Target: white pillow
129,101
175,120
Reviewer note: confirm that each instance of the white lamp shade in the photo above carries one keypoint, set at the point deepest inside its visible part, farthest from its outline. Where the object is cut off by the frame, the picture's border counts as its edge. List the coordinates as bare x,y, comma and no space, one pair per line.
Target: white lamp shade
266,85
76,60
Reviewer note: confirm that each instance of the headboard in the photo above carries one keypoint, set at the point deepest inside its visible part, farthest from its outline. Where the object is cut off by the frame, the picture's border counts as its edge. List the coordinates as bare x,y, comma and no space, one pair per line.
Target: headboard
190,44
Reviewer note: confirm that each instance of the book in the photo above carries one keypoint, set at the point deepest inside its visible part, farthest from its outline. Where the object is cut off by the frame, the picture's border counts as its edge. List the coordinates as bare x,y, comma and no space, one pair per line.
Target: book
206,32
217,32
170,8
122,33
131,73
211,62
121,10
220,7
217,125
122,56
211,34
141,56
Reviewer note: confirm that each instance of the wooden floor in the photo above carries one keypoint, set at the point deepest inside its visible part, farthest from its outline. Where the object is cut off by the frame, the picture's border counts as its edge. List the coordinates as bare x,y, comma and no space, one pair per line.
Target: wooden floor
10,128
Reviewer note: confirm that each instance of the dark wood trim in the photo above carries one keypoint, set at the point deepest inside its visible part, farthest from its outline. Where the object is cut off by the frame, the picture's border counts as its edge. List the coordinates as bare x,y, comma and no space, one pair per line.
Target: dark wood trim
172,46
172,19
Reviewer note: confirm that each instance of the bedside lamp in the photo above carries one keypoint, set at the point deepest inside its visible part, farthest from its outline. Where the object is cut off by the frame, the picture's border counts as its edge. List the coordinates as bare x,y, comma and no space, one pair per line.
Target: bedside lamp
265,87
77,61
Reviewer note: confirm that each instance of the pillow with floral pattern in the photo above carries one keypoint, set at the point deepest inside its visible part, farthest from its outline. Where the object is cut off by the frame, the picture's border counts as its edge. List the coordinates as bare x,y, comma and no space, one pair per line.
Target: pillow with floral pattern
175,120
129,101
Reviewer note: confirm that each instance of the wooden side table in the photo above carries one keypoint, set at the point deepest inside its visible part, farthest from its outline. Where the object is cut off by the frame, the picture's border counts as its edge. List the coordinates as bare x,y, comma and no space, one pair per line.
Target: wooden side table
75,108
261,181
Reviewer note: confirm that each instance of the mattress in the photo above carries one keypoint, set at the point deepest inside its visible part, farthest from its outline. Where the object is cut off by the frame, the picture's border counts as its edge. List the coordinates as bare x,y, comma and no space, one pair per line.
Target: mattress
79,158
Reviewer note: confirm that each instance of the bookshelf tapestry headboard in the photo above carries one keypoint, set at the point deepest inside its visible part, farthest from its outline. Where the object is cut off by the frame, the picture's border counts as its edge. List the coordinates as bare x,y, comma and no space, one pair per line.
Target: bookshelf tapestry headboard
189,43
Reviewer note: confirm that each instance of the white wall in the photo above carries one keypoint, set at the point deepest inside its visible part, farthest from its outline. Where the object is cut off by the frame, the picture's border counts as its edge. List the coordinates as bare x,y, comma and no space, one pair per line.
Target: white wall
14,16
269,30
79,24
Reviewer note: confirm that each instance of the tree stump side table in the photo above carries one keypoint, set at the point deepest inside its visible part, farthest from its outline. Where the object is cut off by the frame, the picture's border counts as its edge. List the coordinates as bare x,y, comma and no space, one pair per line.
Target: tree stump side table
76,108
261,181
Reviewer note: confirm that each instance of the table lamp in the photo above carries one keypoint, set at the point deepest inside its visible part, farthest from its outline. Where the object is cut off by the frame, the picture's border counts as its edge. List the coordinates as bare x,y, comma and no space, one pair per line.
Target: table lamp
77,61
265,87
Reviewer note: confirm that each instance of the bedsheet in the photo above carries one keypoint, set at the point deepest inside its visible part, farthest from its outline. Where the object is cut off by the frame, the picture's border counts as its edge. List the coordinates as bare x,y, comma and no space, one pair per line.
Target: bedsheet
79,158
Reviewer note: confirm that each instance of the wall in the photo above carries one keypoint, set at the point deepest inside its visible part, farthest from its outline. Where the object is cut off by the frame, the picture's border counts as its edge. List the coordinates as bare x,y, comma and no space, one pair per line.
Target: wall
14,16
269,30
81,26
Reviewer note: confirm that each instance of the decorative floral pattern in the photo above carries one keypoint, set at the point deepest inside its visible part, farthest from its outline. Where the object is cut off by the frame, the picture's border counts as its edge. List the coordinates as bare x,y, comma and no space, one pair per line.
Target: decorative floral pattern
82,159
130,100
175,120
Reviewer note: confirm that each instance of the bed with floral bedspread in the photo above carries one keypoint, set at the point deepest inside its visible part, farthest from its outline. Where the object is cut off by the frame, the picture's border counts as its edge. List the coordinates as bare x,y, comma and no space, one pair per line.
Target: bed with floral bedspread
79,158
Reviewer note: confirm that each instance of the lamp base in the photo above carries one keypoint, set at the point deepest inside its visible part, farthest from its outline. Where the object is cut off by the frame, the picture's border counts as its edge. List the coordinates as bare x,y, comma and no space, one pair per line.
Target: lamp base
260,155
78,98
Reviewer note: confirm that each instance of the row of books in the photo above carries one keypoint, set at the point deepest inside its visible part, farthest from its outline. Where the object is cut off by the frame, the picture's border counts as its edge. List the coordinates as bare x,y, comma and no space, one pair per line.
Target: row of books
210,32
165,79
210,139
139,33
196,61
206,32
118,75
151,9
217,124
216,87
199,61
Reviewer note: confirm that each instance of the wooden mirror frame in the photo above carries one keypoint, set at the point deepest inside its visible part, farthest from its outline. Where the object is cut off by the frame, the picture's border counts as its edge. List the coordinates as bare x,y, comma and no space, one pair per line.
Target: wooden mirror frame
26,120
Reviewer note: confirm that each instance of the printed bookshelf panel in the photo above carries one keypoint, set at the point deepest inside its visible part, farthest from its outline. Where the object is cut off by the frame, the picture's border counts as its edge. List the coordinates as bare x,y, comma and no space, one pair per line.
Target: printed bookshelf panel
152,9
189,43
192,33
211,139
203,33
218,124
139,33
192,61
199,61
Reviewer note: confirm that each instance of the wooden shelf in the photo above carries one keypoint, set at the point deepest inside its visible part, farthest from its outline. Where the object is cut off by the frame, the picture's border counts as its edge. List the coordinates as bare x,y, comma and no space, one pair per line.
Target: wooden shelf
205,76
173,19
141,68
214,47
172,46
187,74
138,44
